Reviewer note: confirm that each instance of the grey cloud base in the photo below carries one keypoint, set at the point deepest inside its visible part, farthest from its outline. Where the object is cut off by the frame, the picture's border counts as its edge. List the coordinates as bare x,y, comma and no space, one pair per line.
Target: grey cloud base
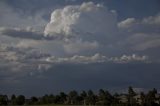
23,33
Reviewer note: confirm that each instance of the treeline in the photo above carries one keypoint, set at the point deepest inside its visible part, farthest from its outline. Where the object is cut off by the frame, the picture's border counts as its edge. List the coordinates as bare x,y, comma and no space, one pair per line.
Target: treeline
103,97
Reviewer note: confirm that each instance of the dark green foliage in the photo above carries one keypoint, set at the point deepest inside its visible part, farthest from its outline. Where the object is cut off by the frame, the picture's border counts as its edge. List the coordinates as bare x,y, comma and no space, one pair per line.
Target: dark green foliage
63,97
103,98
13,100
34,100
131,94
3,100
91,98
20,100
150,97
72,97
83,97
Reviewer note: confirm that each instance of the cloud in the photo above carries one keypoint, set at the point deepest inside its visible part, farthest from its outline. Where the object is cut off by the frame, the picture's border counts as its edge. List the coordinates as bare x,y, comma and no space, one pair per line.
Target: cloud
19,62
146,25
98,58
32,56
140,34
18,59
127,23
76,28
152,20
129,58
143,41
86,21
78,46
18,17
87,29
27,33
78,59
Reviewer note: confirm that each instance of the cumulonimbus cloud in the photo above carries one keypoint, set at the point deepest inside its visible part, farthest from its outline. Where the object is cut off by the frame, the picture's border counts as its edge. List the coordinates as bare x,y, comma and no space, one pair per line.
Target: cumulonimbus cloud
87,21
87,28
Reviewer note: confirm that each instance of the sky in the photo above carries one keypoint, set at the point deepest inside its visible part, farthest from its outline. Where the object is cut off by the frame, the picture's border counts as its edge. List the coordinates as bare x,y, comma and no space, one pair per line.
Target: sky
48,46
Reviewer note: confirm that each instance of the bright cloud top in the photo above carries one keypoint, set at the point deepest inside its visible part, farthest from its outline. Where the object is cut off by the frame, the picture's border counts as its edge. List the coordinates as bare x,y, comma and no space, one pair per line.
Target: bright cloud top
85,19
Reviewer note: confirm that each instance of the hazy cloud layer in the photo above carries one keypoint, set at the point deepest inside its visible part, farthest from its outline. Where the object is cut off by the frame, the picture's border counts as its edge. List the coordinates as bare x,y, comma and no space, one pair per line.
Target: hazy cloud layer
20,62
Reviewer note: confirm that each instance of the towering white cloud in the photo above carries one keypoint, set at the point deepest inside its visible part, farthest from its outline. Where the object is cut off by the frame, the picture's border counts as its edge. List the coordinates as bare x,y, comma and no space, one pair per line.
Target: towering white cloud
84,20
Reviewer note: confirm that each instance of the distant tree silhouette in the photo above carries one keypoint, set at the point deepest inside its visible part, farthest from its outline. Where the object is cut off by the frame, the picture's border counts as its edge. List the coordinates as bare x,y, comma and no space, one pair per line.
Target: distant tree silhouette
3,99
63,97
34,100
103,98
91,98
131,94
73,95
150,97
143,101
84,97
20,100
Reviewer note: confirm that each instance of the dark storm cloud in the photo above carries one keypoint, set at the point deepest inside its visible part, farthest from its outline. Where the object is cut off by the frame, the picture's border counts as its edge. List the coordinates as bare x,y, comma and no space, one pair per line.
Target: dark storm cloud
67,77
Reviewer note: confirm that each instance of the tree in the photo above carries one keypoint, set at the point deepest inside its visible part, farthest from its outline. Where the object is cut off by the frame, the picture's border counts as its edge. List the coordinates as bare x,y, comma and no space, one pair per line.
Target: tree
20,100
51,98
104,98
3,99
91,98
34,100
63,97
13,99
150,97
101,97
108,98
45,99
57,99
73,97
131,94
83,96
115,99
143,102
